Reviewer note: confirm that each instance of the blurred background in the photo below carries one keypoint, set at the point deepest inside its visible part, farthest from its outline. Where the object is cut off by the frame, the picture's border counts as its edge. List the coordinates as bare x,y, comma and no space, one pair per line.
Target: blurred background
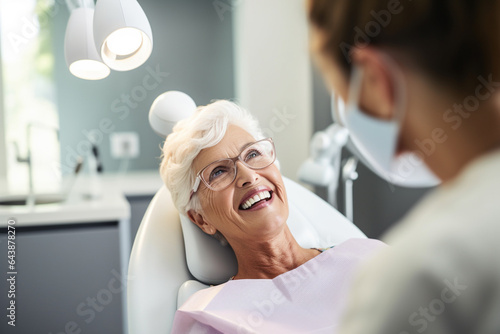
253,52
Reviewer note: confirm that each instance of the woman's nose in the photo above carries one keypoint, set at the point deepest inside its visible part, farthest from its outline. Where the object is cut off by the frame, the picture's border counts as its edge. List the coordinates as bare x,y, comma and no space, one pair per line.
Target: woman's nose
245,175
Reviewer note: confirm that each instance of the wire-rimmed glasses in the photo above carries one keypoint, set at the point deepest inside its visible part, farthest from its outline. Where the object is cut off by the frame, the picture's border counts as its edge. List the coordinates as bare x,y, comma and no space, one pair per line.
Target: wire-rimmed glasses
219,174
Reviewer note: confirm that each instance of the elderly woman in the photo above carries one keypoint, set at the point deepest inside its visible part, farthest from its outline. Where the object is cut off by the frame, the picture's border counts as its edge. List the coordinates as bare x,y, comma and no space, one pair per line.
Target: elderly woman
222,174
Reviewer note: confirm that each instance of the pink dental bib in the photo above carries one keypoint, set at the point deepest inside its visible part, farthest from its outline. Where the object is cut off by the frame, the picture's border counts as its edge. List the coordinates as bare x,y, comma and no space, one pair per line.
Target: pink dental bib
308,299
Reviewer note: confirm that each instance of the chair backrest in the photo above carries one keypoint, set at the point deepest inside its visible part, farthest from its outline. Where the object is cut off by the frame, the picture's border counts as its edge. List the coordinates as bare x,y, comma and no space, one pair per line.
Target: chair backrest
164,255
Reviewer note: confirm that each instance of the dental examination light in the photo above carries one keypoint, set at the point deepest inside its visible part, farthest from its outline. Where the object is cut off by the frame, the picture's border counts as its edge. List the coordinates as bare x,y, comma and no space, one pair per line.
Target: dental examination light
169,108
122,34
81,55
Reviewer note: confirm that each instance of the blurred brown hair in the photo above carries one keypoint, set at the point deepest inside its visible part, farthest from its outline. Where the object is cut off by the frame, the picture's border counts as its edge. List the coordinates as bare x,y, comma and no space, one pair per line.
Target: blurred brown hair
453,41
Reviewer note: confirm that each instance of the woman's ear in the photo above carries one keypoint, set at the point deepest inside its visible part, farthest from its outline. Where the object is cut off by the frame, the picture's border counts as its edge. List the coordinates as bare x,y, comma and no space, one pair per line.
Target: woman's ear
377,90
201,222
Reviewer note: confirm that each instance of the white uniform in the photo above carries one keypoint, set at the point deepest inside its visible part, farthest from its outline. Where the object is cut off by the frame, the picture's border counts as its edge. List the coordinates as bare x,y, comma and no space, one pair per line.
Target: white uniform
442,273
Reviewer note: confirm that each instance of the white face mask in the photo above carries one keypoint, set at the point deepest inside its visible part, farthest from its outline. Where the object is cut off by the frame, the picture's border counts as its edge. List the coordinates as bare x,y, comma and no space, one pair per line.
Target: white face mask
376,140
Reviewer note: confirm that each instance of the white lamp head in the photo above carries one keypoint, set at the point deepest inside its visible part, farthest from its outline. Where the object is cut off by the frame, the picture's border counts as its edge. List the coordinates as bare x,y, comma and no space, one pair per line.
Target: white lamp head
79,48
122,34
169,108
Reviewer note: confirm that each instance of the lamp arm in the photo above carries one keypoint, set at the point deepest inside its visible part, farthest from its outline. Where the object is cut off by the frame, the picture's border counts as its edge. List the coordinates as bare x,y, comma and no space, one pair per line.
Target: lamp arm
349,175
323,166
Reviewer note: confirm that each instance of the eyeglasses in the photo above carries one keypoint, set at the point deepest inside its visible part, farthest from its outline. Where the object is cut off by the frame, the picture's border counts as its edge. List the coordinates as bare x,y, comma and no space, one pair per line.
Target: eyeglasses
221,173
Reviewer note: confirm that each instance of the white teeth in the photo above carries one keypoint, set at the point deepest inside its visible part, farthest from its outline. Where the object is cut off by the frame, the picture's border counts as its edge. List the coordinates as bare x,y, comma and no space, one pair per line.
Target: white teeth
257,197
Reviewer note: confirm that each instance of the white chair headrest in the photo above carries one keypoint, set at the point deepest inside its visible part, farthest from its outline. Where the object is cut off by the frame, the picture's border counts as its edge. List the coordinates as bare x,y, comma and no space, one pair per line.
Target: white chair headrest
312,221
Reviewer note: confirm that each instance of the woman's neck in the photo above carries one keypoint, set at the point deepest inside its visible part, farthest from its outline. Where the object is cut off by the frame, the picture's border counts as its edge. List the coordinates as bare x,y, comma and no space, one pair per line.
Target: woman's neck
270,258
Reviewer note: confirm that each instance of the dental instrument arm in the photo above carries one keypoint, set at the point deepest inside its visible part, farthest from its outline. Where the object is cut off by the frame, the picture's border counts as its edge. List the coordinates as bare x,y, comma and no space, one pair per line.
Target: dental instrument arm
349,175
323,167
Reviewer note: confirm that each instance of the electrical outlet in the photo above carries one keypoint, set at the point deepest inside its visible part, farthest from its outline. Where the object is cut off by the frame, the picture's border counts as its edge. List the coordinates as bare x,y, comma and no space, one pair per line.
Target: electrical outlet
124,145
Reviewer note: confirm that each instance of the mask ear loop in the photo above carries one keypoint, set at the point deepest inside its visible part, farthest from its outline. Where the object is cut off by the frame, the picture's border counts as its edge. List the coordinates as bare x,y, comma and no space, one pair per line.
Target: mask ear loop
354,94
354,86
337,106
399,88
340,107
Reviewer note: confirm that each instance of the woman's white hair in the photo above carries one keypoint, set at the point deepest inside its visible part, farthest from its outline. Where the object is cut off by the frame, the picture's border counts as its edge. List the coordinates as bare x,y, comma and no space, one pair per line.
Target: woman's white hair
204,129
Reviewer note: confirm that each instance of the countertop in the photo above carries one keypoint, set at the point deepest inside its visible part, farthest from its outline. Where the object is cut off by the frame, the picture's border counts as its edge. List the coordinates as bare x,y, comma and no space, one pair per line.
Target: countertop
110,205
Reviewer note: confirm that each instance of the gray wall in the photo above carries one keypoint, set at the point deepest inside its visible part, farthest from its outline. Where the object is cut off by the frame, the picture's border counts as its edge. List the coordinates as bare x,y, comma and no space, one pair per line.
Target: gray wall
191,44
377,205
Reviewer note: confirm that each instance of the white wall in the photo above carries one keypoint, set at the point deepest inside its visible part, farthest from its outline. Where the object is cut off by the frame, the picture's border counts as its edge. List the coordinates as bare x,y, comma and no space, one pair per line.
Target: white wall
273,73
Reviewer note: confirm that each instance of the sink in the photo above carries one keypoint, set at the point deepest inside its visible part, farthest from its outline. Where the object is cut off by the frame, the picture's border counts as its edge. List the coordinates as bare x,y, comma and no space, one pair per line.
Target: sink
39,200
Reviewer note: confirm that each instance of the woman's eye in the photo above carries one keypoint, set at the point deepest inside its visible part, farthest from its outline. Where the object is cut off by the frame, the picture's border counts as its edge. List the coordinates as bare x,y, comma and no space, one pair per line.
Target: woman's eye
217,172
252,154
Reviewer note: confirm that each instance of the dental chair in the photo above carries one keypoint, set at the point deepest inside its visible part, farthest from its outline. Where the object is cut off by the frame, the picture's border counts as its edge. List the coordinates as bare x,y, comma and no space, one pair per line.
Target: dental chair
172,258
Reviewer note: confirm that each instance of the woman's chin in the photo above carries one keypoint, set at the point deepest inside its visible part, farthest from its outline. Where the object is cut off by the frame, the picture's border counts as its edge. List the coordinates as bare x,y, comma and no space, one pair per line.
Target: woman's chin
267,219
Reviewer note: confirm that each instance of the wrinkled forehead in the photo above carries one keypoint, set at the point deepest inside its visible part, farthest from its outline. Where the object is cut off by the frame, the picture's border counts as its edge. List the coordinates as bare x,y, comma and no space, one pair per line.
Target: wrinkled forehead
234,140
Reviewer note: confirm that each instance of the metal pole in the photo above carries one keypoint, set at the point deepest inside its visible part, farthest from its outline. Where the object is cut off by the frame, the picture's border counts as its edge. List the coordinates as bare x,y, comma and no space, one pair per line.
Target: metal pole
349,174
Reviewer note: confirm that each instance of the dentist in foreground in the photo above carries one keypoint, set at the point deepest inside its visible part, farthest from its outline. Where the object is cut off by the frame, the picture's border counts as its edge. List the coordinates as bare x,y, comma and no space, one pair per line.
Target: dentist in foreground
420,81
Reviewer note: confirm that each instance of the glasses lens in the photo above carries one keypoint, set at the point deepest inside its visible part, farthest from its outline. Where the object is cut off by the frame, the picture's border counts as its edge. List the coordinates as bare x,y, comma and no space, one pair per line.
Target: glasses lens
259,155
219,174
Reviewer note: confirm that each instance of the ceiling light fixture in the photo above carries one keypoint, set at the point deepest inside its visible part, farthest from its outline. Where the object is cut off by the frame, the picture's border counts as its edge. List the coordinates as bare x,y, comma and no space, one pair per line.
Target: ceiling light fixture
122,34
79,48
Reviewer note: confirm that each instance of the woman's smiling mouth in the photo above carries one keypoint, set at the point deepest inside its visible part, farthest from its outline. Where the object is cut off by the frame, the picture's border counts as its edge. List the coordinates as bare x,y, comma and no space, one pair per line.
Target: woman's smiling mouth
257,199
